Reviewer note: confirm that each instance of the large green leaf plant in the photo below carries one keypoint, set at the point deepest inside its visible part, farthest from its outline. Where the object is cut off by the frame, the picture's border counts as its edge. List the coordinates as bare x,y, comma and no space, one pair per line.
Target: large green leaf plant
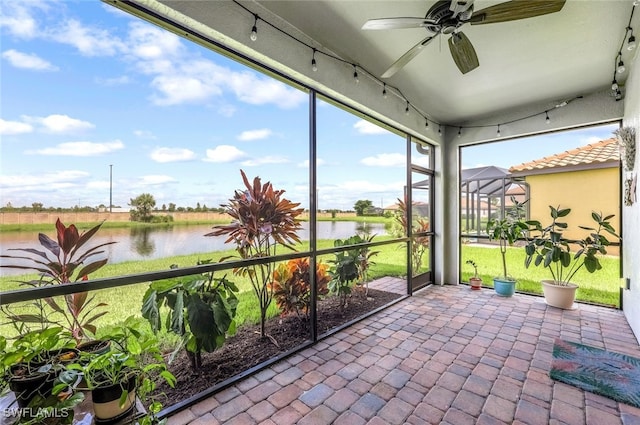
202,309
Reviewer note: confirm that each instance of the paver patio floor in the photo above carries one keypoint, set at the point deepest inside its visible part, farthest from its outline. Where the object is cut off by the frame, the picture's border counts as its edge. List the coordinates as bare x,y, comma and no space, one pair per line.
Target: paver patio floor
446,355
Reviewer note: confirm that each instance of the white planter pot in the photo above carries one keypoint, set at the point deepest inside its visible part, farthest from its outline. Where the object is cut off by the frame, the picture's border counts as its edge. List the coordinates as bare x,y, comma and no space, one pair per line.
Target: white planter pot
558,295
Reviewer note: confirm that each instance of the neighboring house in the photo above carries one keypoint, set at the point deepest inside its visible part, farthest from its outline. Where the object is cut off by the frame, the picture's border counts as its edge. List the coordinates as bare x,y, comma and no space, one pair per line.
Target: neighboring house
584,179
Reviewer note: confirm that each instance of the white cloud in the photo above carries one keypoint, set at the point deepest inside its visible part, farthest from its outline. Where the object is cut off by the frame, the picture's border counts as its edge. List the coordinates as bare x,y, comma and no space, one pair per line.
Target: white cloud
151,43
265,160
115,81
155,179
89,41
59,124
79,149
17,18
27,61
251,88
385,160
14,127
249,135
366,127
144,134
178,89
37,181
164,155
224,153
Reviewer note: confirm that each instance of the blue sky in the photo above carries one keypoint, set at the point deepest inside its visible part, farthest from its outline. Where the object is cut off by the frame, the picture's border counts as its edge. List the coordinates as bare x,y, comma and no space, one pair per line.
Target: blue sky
85,86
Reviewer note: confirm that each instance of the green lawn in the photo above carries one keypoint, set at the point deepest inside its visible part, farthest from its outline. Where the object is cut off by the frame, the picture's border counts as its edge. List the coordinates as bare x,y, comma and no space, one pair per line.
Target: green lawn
601,287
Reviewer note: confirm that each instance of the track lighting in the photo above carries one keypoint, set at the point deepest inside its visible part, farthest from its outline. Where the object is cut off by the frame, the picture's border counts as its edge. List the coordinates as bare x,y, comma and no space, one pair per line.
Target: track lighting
384,90
426,123
618,95
439,129
498,133
459,131
314,65
614,84
631,43
406,110
254,29
547,119
355,75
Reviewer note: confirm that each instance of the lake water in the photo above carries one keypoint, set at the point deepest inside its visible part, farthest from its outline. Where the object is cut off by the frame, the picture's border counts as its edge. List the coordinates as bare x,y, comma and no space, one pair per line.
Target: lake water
151,243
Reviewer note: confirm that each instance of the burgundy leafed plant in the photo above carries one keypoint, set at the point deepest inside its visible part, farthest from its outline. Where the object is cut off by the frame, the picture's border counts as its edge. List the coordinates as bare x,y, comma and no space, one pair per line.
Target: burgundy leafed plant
63,261
262,220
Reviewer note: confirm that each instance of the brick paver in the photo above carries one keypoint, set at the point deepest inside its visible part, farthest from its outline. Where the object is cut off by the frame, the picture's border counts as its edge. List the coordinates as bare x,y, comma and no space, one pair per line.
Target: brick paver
446,355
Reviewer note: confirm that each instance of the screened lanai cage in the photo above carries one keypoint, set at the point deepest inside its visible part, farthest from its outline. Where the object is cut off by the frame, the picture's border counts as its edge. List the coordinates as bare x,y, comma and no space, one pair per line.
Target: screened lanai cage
486,192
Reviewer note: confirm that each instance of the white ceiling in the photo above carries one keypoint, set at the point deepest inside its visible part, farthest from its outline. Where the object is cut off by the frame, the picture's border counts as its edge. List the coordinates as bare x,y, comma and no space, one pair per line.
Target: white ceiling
546,58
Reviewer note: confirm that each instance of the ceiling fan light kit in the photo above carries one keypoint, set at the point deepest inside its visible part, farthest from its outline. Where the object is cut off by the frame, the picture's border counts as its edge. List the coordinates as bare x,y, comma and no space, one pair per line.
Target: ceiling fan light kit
447,16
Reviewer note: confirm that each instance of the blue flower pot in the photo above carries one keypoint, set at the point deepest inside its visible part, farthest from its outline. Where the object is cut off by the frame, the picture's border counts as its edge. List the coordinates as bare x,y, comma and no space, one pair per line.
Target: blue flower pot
503,287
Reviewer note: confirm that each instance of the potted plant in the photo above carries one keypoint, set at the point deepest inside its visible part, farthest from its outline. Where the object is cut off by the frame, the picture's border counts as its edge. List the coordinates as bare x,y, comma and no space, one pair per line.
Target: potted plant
507,231
128,370
475,281
552,250
33,361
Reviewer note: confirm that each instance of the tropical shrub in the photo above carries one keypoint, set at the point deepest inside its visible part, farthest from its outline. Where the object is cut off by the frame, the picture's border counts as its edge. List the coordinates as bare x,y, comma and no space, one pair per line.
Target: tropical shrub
202,311
292,289
262,220
349,266
420,244
63,261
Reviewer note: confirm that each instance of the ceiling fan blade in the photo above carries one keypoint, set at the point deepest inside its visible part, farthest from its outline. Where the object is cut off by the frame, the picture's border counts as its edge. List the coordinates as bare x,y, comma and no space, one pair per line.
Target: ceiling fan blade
464,55
406,58
396,23
515,9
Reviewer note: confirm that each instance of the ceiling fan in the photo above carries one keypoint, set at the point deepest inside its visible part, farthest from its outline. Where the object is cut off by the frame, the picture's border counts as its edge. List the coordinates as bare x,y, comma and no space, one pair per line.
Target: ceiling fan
447,16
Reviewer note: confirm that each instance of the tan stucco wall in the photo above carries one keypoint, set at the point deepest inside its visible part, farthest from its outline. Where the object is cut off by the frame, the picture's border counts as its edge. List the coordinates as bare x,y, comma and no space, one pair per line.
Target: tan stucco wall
582,191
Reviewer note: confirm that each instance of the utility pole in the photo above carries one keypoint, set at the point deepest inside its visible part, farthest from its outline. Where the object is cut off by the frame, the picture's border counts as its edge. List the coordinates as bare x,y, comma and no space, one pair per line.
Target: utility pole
110,187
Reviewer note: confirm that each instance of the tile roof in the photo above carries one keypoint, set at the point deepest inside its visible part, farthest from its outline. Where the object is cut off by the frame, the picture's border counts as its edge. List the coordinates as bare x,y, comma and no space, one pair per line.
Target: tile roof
595,153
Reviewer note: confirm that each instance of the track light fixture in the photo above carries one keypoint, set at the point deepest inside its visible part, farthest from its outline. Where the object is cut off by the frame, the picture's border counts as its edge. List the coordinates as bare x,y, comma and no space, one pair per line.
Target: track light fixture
384,90
406,110
498,132
459,131
439,129
254,29
426,123
314,65
547,119
614,84
631,42
355,75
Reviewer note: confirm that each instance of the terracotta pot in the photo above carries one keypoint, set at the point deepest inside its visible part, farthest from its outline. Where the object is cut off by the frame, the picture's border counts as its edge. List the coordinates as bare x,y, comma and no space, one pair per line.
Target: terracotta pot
504,287
476,283
559,296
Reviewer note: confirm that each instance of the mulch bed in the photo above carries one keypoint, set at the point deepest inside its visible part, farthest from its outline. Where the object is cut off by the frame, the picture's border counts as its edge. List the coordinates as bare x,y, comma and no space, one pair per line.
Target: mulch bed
247,349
